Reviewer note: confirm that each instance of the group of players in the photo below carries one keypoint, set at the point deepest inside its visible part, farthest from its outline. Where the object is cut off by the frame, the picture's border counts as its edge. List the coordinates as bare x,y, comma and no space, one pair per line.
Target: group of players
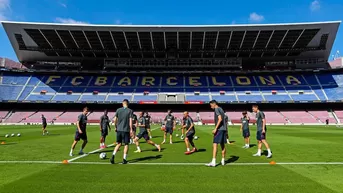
126,125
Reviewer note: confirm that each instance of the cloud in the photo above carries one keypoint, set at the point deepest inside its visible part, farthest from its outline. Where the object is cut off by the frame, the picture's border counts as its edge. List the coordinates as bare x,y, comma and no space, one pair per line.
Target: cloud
63,5
69,21
4,7
255,18
315,5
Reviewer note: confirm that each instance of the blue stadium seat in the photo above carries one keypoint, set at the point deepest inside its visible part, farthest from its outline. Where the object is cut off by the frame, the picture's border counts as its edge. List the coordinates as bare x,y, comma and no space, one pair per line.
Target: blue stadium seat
250,97
304,97
39,97
172,90
66,97
224,97
14,79
118,98
27,90
144,97
92,98
277,97
334,93
9,92
197,98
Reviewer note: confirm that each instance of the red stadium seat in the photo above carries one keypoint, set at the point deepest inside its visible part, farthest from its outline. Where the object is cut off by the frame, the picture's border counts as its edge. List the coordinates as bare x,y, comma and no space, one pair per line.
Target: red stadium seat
43,92
95,92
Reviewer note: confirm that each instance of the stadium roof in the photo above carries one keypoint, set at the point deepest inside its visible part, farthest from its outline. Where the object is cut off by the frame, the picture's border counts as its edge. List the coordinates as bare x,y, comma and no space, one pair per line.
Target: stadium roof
46,41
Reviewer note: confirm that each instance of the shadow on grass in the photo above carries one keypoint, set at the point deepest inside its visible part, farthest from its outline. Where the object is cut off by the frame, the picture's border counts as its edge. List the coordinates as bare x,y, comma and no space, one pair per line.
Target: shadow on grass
146,158
232,159
252,145
201,150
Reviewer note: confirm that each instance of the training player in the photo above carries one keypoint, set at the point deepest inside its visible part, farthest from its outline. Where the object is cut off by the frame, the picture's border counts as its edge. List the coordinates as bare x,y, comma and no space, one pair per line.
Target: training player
219,132
123,122
134,128
170,126
148,122
190,132
245,129
143,133
261,131
226,119
44,124
80,131
183,127
104,127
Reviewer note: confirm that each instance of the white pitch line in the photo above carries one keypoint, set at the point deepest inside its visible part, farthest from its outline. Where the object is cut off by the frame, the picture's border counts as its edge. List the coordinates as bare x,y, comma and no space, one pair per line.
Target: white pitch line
95,151
172,164
87,154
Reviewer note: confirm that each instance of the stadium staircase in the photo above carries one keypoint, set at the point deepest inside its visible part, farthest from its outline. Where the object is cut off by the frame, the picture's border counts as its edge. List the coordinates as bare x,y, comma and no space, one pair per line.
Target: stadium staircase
23,119
321,87
286,118
314,117
310,87
22,90
335,116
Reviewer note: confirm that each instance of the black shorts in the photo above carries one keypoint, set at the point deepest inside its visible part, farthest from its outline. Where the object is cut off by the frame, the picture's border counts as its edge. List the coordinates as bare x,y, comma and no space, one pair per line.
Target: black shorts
261,136
144,135
79,136
190,135
123,137
44,125
104,132
220,137
169,130
147,126
134,129
246,133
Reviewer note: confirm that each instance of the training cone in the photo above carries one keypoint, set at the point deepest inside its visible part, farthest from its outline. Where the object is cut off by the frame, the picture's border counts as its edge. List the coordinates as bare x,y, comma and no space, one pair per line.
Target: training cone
65,162
272,163
3,143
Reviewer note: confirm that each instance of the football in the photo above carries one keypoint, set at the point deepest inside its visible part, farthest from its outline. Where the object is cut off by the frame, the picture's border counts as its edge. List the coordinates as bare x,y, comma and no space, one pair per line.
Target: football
7,135
12,135
177,135
102,155
18,135
196,137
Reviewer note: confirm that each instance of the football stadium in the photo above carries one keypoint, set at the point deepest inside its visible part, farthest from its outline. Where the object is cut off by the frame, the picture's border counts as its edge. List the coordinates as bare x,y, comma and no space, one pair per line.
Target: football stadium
192,87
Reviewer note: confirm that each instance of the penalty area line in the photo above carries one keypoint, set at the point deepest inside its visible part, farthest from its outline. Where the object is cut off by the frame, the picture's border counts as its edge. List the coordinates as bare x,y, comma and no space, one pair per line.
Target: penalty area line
171,164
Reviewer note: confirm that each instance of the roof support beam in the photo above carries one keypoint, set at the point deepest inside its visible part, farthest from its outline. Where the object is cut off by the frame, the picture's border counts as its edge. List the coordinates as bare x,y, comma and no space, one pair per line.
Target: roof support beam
271,35
88,43
58,35
240,47
165,40
75,42
47,41
114,43
228,43
190,43
152,43
282,41
127,44
102,45
177,40
258,35
139,43
215,44
296,41
203,45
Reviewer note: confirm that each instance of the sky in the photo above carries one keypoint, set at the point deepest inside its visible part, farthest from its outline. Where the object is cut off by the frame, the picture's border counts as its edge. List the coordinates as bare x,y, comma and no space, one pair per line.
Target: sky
162,12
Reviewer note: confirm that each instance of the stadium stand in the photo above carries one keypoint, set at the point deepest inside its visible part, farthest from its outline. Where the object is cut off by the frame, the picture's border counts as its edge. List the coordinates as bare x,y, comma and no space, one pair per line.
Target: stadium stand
320,87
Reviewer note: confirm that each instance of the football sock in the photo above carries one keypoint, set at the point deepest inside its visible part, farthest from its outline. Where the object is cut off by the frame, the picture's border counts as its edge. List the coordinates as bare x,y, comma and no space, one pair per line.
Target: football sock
138,148
71,151
125,156
81,150
156,145
269,152
259,151
188,149
114,152
223,159
213,160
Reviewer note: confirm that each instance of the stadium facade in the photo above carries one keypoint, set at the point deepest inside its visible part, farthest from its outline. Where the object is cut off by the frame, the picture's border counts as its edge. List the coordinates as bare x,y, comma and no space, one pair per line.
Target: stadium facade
282,66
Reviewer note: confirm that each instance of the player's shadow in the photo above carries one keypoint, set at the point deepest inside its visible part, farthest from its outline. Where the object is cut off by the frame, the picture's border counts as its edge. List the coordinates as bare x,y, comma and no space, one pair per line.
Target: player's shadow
232,159
146,158
201,150
252,145
232,141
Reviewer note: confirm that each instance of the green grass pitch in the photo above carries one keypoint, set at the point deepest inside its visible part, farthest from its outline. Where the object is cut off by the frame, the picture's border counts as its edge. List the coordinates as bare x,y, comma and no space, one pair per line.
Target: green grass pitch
291,146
